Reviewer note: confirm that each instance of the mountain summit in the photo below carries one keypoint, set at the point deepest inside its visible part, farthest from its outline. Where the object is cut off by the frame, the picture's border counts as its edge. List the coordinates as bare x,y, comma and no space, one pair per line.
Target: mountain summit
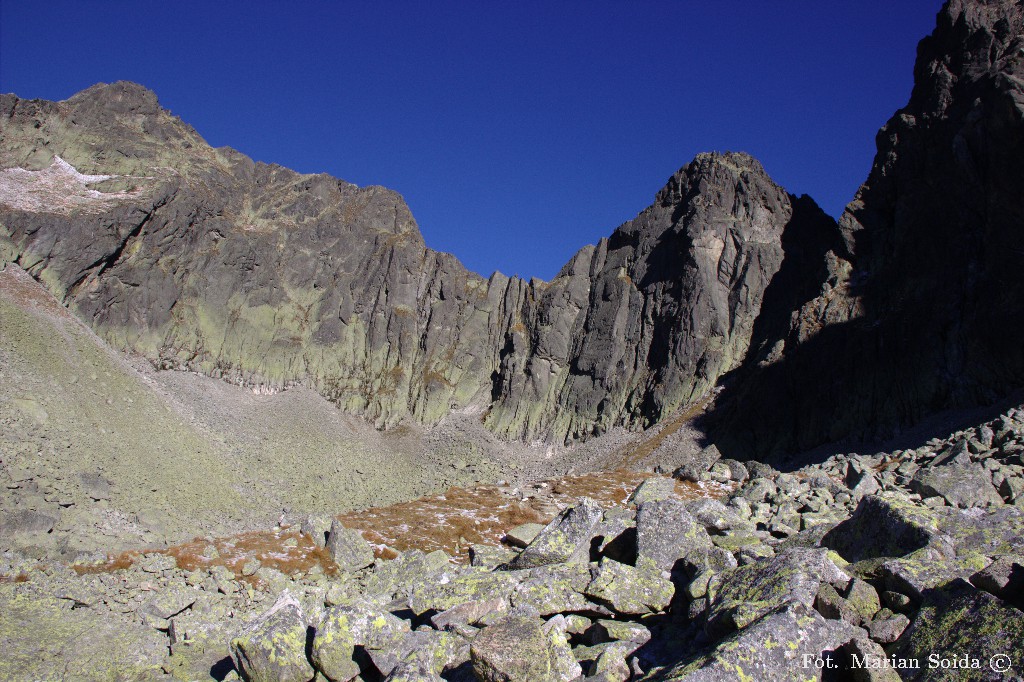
201,259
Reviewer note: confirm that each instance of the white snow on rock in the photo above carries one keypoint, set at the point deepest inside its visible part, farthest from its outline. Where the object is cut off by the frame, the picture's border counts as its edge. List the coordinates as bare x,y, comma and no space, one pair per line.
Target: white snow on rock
59,188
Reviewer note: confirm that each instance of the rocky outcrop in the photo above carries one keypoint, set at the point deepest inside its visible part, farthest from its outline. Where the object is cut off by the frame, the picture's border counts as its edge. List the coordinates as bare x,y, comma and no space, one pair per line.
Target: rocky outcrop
921,307
202,259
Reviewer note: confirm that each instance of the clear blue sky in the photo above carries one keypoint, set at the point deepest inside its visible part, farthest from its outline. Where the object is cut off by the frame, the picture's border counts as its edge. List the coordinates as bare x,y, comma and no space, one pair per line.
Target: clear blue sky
516,131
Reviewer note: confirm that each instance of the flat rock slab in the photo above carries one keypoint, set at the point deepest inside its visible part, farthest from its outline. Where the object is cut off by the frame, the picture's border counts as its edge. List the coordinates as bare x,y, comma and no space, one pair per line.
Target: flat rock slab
523,535
653,489
630,590
960,485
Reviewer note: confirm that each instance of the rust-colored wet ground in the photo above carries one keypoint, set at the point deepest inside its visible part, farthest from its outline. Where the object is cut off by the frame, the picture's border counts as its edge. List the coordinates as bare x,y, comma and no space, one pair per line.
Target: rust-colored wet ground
450,522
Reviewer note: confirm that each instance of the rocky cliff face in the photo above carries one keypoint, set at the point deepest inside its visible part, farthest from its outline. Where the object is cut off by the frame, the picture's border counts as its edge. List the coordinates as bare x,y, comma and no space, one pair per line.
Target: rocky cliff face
923,307
201,259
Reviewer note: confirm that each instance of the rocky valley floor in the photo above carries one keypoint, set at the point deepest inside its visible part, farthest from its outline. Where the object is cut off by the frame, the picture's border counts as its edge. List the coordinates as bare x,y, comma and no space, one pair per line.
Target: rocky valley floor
728,571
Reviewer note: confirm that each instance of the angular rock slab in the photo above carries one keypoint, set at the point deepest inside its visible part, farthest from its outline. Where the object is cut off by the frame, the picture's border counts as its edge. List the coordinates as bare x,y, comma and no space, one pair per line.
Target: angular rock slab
653,489
273,647
781,646
429,651
348,548
959,620
518,649
565,538
698,464
630,590
343,628
666,532
742,595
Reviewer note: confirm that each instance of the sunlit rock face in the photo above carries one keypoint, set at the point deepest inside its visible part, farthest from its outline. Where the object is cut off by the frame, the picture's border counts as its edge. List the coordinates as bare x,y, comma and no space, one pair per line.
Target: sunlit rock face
201,259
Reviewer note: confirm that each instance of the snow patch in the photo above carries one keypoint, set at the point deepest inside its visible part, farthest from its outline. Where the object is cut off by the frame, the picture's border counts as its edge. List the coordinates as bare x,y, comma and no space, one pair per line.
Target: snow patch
58,188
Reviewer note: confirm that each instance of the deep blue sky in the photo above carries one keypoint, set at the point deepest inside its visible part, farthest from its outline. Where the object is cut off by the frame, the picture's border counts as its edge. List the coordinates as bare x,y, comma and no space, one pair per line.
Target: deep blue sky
517,131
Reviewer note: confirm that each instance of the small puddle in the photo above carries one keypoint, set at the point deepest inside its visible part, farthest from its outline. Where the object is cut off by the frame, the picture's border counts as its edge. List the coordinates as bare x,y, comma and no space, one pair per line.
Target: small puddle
451,522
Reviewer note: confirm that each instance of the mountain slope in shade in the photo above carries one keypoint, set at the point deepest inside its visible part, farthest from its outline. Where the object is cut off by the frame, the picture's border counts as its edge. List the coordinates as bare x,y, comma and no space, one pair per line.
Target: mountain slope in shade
201,259
923,308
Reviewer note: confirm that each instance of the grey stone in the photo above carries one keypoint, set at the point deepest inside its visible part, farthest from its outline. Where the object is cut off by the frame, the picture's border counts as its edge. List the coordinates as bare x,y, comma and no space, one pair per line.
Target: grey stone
317,529
737,471
698,464
273,647
958,620
888,630
489,556
882,527
523,535
343,628
652,490
348,548
666,532
630,590
767,649
517,649
741,595
715,516
961,485
566,537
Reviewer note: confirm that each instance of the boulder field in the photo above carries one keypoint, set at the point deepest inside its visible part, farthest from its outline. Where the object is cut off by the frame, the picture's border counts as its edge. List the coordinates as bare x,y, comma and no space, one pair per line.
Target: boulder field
913,557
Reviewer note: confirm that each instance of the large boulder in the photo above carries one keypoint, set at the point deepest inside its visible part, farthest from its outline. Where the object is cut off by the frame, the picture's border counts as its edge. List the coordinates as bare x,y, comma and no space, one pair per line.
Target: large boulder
960,485
785,644
273,647
521,649
317,528
963,624
630,590
653,489
666,532
566,537
343,628
422,652
882,526
553,589
453,588
696,466
740,596
348,548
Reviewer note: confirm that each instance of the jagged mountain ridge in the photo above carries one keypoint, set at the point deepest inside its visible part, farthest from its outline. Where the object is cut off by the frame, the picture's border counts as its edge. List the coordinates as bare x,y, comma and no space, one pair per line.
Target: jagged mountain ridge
202,259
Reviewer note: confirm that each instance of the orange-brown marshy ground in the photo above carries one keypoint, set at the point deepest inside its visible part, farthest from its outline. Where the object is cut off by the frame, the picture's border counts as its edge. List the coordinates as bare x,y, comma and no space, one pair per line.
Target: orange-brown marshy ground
450,522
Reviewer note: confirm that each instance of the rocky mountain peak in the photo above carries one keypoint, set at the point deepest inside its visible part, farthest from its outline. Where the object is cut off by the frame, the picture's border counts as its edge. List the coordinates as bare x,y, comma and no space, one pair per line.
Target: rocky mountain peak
265,277
202,259
920,310
120,97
